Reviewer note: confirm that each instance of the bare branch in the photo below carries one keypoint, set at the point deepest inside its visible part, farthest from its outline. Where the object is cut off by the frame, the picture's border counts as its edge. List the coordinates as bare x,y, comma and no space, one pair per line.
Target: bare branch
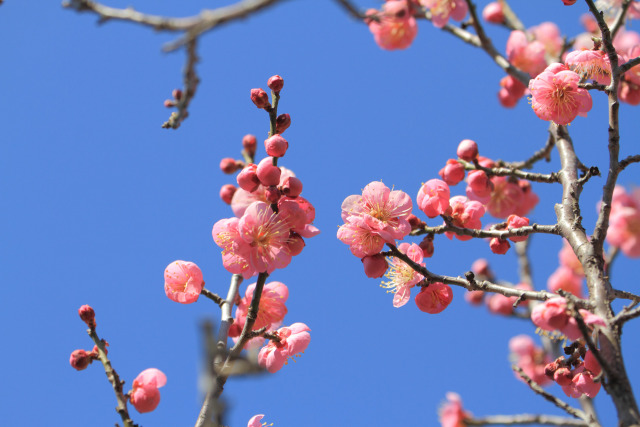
191,81
482,234
543,153
510,171
525,419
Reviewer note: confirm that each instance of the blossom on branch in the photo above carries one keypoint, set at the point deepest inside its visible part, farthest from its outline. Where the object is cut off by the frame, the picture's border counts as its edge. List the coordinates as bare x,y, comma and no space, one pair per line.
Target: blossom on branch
183,282
451,412
294,339
401,276
624,222
394,27
434,298
553,315
145,395
442,10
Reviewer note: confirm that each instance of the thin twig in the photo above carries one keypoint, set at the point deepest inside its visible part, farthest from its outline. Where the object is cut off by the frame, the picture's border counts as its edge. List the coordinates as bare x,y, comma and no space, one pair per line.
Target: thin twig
619,21
482,234
509,171
543,153
629,160
524,419
191,81
214,297
352,9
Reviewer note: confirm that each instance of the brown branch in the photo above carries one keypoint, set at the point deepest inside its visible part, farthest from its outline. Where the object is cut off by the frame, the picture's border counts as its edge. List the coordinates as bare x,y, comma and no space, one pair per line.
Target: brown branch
214,297
625,315
482,234
629,160
543,153
191,81
510,171
525,419
629,65
352,9
511,19
619,21
551,398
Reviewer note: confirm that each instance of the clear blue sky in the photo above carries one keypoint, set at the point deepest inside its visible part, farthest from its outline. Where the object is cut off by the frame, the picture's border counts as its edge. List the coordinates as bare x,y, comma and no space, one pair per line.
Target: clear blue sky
98,199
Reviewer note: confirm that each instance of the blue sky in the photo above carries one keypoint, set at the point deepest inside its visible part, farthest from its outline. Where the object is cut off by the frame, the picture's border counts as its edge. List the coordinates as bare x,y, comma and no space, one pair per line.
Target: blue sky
99,199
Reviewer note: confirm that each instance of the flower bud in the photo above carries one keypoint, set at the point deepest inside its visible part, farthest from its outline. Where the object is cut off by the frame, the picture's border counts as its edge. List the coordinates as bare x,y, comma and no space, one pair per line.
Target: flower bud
226,193
467,150
88,316
563,376
272,194
250,143
427,246
248,178
291,187
452,173
260,98
499,246
169,103
481,267
515,221
177,94
479,183
295,244
550,369
268,174
229,165
493,13
283,121
275,83
375,266
474,297
80,359
276,146
415,222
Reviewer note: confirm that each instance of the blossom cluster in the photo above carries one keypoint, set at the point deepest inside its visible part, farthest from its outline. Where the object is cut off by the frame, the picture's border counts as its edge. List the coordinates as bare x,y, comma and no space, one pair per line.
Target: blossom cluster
577,374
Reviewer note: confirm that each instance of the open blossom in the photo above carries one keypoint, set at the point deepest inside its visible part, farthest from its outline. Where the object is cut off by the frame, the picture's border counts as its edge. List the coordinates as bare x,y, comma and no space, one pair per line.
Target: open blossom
293,340
553,315
394,27
624,222
592,63
255,243
529,56
549,35
564,278
530,358
376,217
434,298
433,198
145,395
465,213
451,412
183,282
401,276
555,95
442,10
503,199
271,311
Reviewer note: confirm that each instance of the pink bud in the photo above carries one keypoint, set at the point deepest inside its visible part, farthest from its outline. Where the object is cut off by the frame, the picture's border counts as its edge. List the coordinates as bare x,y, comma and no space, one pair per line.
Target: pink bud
415,222
177,94
434,298
427,246
260,98
591,363
493,13
479,184
276,146
569,2
375,265
80,359
550,369
250,143
474,297
226,193
452,173
500,304
515,221
268,174
88,316
169,103
481,267
433,198
272,194
295,244
229,166
467,150
499,246
291,186
563,376
283,121
248,178
506,99
275,83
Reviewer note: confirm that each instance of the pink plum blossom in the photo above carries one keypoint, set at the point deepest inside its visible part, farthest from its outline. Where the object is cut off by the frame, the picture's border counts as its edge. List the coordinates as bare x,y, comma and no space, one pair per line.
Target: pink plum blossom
515,221
555,95
549,35
183,282
145,395
294,339
624,222
552,315
529,198
442,10
453,172
271,311
582,383
479,186
242,198
499,246
594,64
434,298
466,214
564,278
394,27
529,56
511,91
401,276
255,243
451,412
433,198
530,358
255,421
492,12
505,197
467,150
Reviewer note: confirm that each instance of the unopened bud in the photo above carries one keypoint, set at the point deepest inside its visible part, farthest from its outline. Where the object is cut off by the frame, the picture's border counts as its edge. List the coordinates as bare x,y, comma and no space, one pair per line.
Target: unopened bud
88,316
250,143
169,103
260,98
467,150
550,369
80,359
452,173
248,178
291,187
275,83
226,193
295,244
276,146
272,194
493,13
229,165
375,266
177,94
268,174
563,376
415,222
283,121
427,246
499,246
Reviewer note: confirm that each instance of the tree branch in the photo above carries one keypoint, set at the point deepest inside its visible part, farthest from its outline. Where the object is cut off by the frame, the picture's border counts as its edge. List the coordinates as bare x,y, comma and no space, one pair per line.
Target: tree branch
525,419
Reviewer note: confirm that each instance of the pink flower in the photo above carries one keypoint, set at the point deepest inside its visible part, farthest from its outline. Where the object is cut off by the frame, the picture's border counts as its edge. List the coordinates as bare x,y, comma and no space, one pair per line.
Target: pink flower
378,216
515,221
401,276
492,12
564,278
255,421
271,311
500,304
511,91
467,150
434,298
530,358
433,198
479,186
505,198
293,340
549,35
451,412
145,395
242,198
465,213
526,55
183,282
255,243
529,198
394,27
553,315
499,246
441,10
624,222
452,173
555,95
582,383
592,63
